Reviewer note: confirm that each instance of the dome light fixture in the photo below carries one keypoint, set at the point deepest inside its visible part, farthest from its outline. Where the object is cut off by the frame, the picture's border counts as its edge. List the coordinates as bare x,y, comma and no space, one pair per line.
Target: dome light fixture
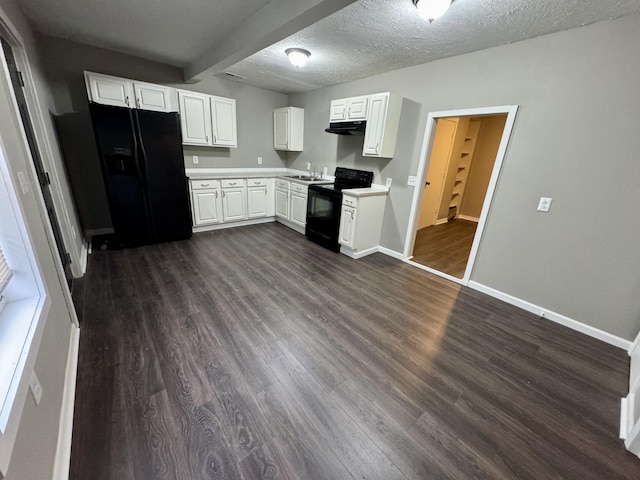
298,56
431,10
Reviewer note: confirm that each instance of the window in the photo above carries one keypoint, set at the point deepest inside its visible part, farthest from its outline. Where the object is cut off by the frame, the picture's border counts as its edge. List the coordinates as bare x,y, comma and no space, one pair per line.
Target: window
5,272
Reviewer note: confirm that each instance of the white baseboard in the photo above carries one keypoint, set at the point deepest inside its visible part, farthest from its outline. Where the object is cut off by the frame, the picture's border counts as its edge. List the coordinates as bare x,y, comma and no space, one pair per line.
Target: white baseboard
220,226
63,451
554,316
467,217
363,253
442,221
391,253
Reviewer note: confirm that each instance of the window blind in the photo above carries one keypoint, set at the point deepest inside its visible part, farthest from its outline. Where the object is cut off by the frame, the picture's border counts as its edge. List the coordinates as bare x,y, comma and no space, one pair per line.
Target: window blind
5,272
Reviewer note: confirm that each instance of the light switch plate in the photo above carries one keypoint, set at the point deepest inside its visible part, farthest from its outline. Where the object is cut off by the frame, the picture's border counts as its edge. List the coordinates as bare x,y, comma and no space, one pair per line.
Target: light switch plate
388,183
545,204
259,160
36,388
24,183
412,181
195,159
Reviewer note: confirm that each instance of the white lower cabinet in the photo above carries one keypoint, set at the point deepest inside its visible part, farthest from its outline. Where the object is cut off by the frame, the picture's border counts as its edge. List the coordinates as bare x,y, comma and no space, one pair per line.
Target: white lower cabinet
361,224
347,223
291,204
282,203
234,200
299,209
248,200
260,197
206,201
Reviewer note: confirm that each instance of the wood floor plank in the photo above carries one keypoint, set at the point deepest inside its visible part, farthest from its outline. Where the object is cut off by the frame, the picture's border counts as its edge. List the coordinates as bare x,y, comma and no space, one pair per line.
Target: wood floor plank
252,353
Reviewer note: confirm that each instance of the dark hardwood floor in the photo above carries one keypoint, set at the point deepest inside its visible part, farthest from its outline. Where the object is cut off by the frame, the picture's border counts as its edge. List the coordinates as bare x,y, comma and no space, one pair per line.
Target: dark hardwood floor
445,247
251,353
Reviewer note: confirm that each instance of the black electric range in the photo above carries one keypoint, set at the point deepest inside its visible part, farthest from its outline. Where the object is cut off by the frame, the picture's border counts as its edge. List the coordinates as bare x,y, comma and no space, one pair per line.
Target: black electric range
324,206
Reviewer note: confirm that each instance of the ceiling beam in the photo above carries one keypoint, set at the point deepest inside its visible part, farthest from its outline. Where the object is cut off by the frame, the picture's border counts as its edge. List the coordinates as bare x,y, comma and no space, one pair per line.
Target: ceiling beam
274,22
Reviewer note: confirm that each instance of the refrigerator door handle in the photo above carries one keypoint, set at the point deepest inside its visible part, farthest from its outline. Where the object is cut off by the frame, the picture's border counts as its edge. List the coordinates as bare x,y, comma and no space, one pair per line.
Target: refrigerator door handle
142,175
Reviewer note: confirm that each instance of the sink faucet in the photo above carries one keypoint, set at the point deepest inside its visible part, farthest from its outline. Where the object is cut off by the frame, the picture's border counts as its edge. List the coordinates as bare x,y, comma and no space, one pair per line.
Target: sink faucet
311,166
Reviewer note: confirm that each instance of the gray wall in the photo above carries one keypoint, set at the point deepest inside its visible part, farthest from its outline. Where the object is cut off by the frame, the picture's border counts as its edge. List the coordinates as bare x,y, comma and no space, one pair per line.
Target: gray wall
64,62
36,442
575,139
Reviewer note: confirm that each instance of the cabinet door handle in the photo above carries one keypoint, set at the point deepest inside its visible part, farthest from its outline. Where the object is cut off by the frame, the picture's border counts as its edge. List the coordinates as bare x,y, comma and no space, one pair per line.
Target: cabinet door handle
204,185
215,139
232,183
127,100
265,190
137,102
206,137
222,193
377,147
216,194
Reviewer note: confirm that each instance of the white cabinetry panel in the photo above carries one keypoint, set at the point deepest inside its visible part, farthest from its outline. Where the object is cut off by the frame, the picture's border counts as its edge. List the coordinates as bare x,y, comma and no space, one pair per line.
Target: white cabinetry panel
195,118
299,209
108,90
153,97
223,114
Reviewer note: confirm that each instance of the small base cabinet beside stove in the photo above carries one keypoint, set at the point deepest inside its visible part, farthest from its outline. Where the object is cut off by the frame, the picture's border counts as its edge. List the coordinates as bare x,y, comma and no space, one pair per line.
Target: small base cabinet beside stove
291,204
361,223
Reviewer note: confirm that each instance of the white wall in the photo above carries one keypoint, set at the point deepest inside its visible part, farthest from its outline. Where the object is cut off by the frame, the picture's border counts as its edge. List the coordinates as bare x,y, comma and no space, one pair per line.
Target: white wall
36,441
575,139
64,63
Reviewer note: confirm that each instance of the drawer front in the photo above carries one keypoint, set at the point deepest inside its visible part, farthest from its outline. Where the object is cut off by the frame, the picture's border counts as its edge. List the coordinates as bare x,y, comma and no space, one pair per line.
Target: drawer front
203,184
282,184
349,201
256,182
233,183
296,187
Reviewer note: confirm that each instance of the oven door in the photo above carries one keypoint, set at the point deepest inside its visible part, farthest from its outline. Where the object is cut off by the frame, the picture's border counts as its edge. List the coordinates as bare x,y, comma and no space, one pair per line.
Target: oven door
323,217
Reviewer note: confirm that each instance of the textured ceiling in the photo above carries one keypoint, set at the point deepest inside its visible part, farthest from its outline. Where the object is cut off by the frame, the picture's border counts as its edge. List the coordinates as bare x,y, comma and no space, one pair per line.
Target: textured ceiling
375,36
362,39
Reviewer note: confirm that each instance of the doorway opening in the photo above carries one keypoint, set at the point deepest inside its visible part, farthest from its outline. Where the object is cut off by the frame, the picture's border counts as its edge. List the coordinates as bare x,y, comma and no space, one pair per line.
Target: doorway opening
461,159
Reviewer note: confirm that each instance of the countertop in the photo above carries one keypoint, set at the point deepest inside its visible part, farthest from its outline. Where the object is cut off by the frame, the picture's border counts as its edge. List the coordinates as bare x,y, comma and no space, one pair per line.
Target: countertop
366,192
220,173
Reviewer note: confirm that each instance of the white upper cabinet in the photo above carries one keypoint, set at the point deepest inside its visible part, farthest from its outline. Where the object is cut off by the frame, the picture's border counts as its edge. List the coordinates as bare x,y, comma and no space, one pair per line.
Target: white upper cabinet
195,118
122,92
383,121
153,97
288,129
108,90
207,120
223,115
349,109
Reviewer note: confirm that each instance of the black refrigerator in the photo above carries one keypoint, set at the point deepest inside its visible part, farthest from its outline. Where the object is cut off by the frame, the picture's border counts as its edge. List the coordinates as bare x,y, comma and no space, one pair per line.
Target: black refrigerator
143,168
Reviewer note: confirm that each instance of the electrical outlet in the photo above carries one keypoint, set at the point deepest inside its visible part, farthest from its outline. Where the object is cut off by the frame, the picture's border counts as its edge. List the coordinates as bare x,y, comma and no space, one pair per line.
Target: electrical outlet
196,160
545,204
413,181
259,160
388,183
36,388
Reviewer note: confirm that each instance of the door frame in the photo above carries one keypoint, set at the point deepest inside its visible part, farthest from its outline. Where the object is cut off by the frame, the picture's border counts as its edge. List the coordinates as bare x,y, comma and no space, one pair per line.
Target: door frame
43,142
423,168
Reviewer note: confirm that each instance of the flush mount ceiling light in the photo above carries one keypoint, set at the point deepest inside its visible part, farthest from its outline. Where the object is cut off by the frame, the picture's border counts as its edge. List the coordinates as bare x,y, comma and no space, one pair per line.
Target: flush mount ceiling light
431,10
298,56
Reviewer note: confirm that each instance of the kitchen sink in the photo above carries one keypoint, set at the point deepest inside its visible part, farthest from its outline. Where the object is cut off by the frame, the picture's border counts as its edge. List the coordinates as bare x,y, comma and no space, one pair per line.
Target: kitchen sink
306,178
